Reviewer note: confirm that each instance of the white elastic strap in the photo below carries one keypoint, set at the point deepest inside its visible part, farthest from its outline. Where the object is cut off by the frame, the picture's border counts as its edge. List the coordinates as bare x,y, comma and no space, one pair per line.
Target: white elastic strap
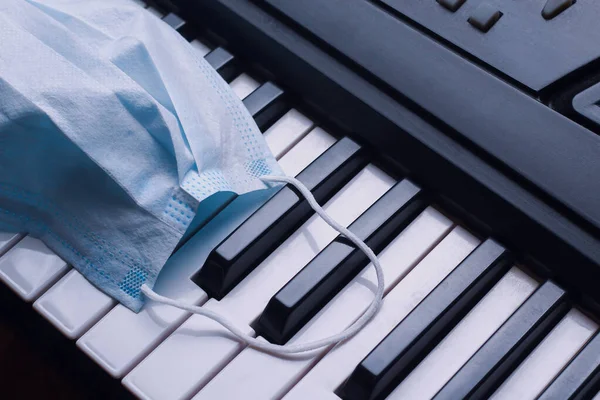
301,347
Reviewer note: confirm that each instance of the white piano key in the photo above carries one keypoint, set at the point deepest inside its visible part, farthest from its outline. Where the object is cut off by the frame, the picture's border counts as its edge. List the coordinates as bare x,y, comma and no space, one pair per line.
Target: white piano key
292,125
122,338
243,85
263,376
30,267
164,375
302,392
548,359
302,154
61,305
597,396
155,11
200,48
73,304
183,362
329,373
8,240
467,337
138,3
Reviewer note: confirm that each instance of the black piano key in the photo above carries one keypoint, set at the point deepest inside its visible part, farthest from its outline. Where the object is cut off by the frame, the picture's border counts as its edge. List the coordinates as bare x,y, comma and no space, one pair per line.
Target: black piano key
412,339
573,381
590,390
278,218
266,104
317,283
224,62
505,350
174,21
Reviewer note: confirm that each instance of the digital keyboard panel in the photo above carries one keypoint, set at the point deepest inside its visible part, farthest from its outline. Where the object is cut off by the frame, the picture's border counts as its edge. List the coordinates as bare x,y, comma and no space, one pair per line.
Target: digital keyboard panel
534,42
459,311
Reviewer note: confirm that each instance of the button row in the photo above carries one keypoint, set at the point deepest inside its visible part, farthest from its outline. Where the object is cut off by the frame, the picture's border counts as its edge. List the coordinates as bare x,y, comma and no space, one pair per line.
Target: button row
486,14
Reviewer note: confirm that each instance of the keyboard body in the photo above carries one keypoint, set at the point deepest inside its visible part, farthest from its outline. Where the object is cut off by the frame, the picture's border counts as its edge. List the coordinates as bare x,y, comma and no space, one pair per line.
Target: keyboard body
459,138
435,94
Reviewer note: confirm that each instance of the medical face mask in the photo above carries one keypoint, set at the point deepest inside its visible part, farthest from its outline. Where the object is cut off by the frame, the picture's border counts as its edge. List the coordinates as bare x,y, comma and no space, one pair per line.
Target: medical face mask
113,131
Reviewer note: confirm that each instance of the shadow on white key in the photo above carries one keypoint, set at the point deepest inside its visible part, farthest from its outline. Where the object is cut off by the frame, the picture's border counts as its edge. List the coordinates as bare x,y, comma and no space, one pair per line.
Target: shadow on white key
73,304
286,132
170,374
261,376
30,267
333,369
122,338
548,358
8,240
243,85
467,336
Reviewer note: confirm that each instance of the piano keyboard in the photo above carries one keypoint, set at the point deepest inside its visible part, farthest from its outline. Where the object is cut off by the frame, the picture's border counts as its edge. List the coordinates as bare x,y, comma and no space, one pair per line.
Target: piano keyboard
459,318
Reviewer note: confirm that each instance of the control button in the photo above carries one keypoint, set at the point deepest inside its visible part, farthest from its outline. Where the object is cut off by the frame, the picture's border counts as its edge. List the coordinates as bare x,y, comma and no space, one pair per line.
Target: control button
484,17
451,5
174,21
555,7
587,103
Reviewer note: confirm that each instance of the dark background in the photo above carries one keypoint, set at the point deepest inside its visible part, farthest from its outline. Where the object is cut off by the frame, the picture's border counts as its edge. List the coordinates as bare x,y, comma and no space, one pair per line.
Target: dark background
38,362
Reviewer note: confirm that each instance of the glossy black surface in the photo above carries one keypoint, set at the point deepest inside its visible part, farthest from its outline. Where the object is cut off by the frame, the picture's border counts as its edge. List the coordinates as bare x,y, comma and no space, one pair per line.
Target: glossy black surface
266,104
505,350
573,381
464,97
224,62
412,339
319,281
275,221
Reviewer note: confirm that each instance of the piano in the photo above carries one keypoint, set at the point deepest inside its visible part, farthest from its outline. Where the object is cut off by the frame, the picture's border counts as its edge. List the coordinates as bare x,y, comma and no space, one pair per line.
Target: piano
458,138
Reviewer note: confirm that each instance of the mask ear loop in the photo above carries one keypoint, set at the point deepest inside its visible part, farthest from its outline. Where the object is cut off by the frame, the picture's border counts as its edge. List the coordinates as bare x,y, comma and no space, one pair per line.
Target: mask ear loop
360,323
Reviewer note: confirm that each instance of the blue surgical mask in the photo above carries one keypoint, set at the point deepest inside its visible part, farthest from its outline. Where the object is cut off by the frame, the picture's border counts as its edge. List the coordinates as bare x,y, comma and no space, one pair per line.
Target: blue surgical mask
112,134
